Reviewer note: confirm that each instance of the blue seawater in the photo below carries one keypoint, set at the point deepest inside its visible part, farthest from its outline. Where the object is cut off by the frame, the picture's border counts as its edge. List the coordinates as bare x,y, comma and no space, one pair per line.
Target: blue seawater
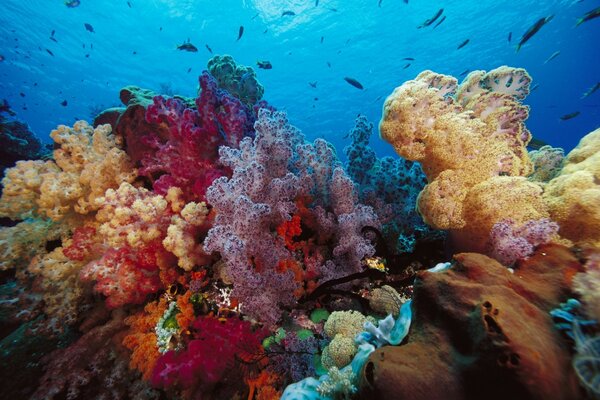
134,42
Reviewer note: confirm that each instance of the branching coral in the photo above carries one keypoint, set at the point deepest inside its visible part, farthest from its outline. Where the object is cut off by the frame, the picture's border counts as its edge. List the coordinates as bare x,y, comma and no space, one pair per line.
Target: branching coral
271,174
464,136
86,163
388,185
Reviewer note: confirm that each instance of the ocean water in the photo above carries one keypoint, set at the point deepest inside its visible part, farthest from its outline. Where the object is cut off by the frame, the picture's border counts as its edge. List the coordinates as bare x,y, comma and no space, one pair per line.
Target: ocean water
197,256
134,43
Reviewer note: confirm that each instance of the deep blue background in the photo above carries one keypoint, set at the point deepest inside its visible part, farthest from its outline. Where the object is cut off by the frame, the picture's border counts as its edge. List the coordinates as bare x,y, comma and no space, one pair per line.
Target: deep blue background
360,40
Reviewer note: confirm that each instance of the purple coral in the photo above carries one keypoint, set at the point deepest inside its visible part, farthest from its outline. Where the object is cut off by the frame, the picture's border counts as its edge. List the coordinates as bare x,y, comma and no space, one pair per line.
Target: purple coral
270,174
509,243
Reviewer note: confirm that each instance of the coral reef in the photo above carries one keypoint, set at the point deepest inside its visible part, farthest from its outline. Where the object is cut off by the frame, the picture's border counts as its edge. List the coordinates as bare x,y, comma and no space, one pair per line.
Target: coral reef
238,80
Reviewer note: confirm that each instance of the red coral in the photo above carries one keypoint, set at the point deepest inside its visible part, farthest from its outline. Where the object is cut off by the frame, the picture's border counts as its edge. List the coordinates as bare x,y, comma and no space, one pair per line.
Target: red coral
216,348
83,240
126,275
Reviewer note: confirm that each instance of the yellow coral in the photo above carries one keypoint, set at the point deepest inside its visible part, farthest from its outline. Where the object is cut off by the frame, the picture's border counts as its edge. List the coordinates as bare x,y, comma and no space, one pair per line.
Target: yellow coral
573,197
339,352
346,323
86,163
20,243
462,136
58,278
181,240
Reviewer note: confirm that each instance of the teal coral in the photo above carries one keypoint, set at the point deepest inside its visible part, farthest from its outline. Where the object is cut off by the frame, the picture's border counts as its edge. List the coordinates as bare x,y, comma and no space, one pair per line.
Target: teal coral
239,80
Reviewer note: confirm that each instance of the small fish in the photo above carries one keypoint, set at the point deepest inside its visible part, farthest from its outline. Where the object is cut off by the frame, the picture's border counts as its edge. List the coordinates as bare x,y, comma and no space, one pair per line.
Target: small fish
89,27
535,86
591,90
187,46
509,36
353,82
129,4
52,33
463,44
409,59
160,29
406,66
255,15
379,3
265,31
316,3
288,14
72,3
313,84
595,13
316,99
431,20
569,116
63,103
328,64
439,22
92,46
49,52
240,32
209,49
22,94
54,40
533,29
135,52
87,55
552,57
2,58
189,70
322,38
377,99
536,143
264,64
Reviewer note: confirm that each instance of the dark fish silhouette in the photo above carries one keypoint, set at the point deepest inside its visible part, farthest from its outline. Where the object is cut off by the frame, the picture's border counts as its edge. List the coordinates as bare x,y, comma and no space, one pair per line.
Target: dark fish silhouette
129,4
316,3
409,58
570,116
63,103
439,22
379,4
2,58
288,14
353,82
89,27
22,94
322,38
209,49
187,46
328,64
463,44
509,36
54,40
265,31
72,3
431,20
87,55
264,64
332,9
406,66
535,86
189,70
255,15
591,90
552,57
49,52
240,32
533,30
52,33
466,71
536,144
313,84
595,13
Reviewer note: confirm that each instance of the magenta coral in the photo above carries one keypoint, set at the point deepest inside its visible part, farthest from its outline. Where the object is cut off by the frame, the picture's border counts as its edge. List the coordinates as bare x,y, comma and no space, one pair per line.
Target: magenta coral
188,158
216,347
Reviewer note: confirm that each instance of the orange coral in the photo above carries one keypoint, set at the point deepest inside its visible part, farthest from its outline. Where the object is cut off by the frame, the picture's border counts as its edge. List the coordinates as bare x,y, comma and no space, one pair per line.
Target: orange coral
288,230
263,386
186,316
141,339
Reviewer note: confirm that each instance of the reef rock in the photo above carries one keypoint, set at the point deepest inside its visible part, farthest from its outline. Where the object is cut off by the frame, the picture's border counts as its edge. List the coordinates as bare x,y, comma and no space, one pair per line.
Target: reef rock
480,331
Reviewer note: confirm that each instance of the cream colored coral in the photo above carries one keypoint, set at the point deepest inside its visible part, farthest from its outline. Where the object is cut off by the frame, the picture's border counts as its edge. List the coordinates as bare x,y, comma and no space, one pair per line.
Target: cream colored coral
573,197
339,352
58,278
181,240
86,163
346,323
386,300
132,216
462,136
20,243
587,285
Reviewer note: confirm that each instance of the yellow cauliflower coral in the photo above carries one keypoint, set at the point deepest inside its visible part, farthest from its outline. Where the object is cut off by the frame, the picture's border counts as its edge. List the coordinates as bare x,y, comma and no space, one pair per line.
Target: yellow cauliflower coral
342,327
181,237
573,197
86,163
